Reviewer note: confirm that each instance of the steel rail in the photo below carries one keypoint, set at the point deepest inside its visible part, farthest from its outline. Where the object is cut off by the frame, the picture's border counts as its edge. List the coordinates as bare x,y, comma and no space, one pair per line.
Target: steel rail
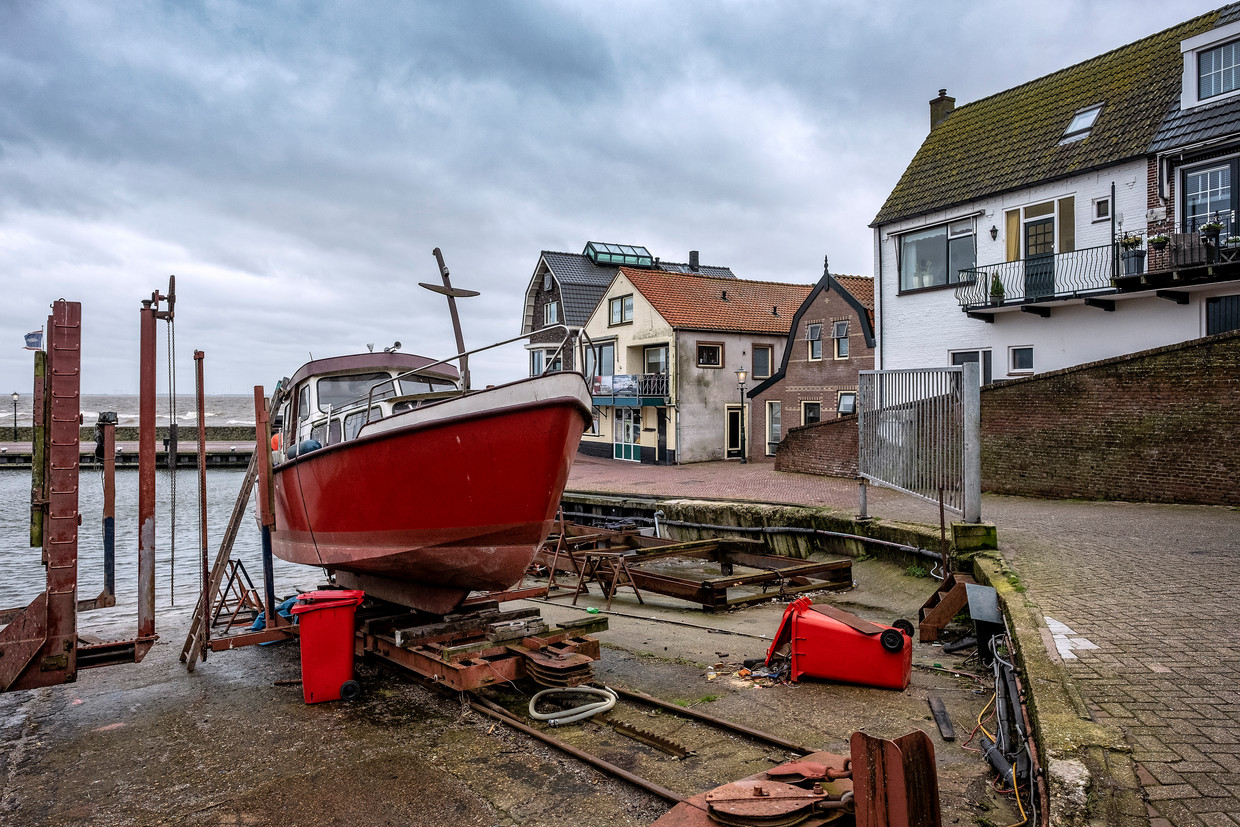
757,735
494,710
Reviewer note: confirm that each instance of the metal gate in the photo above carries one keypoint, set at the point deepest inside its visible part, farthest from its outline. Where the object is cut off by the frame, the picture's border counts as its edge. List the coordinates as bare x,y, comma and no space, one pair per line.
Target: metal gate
920,433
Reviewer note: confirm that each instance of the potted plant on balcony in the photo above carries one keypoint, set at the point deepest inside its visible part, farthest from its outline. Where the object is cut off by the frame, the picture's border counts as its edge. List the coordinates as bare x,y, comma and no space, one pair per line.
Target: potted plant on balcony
1210,231
996,290
1132,256
1158,243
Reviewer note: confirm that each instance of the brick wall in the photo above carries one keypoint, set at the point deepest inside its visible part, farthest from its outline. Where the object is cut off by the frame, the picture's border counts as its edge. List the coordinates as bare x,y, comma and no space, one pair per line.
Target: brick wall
828,448
1162,425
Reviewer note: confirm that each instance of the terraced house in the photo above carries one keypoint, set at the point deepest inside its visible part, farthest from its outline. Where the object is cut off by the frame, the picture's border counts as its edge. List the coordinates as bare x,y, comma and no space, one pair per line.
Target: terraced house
667,348
1087,214
566,287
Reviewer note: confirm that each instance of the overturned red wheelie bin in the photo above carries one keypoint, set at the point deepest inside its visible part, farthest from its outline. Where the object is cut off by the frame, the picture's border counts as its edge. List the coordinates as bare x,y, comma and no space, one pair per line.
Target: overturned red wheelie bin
325,620
821,641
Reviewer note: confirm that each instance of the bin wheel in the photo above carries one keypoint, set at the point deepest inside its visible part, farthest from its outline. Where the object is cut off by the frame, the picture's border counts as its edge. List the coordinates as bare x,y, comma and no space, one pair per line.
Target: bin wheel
892,640
349,690
904,626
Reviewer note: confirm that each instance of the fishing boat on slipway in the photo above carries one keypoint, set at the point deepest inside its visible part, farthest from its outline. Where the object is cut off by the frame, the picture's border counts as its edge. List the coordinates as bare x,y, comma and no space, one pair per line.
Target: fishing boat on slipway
398,479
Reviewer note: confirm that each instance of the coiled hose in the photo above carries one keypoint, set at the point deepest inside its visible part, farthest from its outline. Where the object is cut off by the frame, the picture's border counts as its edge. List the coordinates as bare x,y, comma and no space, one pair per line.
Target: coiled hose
577,713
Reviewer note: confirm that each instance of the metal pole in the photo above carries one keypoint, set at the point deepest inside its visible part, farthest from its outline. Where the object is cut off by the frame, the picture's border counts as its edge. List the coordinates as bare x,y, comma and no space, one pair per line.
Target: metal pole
107,425
971,395
15,396
456,320
205,606
266,512
146,472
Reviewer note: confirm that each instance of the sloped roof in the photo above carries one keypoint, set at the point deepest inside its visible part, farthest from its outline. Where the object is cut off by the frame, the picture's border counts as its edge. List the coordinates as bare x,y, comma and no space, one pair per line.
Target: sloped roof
696,302
1201,123
582,282
1011,140
861,288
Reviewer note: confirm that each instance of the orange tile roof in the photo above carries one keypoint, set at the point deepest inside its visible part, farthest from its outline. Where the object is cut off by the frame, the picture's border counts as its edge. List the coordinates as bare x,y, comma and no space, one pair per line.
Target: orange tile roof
696,302
861,288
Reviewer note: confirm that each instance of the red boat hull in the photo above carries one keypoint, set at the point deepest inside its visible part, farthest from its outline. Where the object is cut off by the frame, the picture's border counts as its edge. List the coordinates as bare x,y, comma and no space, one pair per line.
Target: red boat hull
436,509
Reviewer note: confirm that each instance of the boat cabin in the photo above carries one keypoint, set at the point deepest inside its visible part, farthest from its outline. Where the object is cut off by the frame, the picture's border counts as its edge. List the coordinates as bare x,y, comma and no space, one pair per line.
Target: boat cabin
329,400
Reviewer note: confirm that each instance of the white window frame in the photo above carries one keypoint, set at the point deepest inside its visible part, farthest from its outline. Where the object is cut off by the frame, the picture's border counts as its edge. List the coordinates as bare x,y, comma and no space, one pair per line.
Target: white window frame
1082,117
1191,50
839,402
813,335
1093,209
536,363
698,355
954,230
771,405
551,313
553,364
1012,369
836,339
646,358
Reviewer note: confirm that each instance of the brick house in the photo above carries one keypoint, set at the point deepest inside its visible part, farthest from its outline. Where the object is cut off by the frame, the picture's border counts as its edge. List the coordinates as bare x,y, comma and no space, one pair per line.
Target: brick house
1000,244
566,287
831,339
666,350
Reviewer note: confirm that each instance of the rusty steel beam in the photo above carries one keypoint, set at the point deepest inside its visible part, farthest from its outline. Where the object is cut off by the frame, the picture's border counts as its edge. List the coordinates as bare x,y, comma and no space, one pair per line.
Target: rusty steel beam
686,712
146,467
204,605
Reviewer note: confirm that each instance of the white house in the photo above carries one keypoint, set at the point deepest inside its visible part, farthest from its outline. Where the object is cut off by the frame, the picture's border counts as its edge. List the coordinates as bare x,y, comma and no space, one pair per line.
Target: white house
1002,241
667,347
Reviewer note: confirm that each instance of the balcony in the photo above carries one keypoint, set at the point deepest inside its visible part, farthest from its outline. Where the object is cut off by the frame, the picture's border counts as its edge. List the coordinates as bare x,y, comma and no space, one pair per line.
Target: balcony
632,390
1038,279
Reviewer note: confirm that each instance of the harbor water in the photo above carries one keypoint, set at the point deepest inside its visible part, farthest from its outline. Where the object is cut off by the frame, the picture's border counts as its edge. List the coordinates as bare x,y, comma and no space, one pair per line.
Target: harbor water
219,410
22,575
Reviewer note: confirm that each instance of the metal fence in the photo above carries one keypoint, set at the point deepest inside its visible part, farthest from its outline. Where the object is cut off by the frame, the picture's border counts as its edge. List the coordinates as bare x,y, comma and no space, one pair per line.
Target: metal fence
1038,277
920,433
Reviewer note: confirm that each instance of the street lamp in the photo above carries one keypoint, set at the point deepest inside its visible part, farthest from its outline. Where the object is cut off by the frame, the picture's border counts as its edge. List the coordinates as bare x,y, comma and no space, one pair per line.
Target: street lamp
16,396
741,376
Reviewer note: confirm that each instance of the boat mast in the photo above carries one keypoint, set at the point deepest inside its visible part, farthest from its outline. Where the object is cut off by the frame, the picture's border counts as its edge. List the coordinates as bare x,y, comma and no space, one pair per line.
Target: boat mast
453,294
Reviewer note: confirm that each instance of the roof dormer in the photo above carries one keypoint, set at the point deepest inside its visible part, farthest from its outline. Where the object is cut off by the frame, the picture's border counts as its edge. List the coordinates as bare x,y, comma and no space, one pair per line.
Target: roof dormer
1211,66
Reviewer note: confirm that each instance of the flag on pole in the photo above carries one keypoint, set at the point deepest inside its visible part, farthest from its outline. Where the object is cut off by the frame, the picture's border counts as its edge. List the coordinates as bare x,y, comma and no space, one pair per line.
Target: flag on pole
34,340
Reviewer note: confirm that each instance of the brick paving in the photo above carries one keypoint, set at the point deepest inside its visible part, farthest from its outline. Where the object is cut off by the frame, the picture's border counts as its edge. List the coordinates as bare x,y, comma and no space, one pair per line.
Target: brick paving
1156,587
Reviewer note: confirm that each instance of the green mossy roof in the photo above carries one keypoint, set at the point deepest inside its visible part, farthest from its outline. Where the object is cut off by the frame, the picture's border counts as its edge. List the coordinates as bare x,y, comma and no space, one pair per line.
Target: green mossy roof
1012,140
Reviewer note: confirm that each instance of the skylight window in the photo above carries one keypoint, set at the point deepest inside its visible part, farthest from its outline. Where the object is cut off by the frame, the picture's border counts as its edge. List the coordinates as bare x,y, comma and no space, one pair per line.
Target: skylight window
618,254
1082,122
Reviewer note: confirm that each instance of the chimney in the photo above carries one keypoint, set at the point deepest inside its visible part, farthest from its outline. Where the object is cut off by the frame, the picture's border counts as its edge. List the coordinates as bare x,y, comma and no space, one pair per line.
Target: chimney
693,261
940,108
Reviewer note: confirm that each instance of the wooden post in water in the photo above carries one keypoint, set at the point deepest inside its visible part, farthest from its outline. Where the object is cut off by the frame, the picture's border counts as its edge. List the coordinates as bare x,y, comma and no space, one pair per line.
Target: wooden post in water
266,510
204,605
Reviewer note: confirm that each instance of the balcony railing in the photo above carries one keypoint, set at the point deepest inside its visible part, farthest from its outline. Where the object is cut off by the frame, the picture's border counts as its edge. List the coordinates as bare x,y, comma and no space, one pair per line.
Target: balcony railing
1037,278
631,384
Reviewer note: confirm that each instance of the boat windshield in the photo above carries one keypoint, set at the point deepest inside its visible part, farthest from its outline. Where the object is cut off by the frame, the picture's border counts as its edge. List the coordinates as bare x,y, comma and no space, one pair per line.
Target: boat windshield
410,385
338,391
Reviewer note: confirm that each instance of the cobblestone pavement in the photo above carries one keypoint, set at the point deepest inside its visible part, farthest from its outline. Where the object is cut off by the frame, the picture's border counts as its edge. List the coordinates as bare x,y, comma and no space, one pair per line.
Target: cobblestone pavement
1155,587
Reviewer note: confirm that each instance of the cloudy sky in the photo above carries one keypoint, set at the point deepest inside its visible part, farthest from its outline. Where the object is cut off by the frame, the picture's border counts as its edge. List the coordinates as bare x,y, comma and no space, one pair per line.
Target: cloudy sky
294,164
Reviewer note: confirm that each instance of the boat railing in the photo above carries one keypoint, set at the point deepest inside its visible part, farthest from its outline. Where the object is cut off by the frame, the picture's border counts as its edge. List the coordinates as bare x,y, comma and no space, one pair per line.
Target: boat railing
568,334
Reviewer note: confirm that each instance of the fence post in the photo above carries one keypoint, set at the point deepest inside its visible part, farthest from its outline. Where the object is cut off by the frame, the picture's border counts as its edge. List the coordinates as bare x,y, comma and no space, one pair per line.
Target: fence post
971,399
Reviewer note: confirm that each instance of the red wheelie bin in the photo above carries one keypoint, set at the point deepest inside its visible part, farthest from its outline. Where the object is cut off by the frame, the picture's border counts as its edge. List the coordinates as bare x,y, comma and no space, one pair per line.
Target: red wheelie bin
325,619
829,643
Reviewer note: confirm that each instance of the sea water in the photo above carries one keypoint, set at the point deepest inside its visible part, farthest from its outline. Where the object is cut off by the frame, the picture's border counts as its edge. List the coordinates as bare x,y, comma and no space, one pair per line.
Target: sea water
178,568
219,410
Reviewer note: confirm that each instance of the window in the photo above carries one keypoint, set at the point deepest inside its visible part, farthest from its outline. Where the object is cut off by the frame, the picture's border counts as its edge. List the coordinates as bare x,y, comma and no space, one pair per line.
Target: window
811,412
774,427
846,404
338,391
602,360
1208,196
1218,70
983,356
762,361
536,362
839,332
554,360
594,431
813,334
620,310
1020,360
546,282
303,403
1082,122
551,313
935,257
1102,209
709,355
656,359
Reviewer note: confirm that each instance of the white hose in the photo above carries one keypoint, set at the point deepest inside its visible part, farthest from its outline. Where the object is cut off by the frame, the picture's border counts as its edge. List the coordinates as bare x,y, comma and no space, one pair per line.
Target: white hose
578,713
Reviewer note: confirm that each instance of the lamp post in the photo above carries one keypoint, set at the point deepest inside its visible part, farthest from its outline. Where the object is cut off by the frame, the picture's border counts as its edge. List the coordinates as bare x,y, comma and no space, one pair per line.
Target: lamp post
16,396
741,376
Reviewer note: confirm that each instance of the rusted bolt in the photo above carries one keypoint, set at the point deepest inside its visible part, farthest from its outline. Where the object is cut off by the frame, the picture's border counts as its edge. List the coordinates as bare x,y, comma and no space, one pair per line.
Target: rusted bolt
818,790
759,791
